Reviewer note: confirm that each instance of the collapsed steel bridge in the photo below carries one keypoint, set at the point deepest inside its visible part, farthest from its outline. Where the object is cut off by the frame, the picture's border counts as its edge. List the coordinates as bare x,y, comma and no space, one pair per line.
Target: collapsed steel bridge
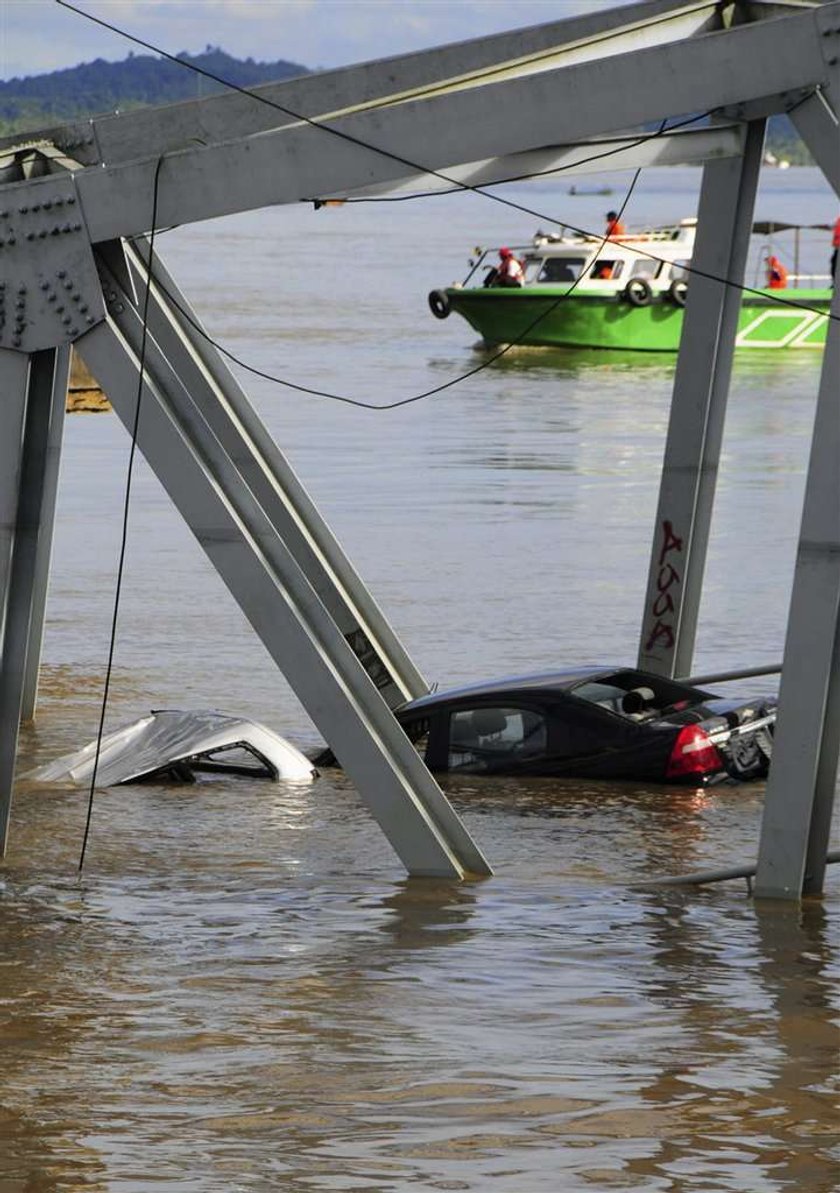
76,205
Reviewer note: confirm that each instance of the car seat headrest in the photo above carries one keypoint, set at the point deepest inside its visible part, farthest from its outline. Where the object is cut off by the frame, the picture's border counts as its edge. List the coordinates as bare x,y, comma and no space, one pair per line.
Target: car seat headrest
488,720
637,700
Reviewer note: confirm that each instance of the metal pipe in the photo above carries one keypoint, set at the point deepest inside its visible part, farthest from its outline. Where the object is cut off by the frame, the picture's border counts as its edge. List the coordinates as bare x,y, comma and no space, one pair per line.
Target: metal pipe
722,676
701,877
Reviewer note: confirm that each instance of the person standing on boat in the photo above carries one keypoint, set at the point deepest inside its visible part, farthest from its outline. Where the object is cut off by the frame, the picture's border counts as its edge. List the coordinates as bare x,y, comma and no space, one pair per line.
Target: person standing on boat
835,245
777,275
614,225
510,271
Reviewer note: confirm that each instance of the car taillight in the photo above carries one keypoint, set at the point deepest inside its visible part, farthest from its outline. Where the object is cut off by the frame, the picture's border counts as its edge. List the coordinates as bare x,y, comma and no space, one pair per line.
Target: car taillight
693,754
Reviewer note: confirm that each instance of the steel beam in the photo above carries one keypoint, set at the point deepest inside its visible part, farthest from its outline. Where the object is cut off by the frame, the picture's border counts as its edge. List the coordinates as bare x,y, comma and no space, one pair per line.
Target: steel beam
816,123
204,480
58,406
800,790
698,408
553,107
269,476
27,393
126,136
686,147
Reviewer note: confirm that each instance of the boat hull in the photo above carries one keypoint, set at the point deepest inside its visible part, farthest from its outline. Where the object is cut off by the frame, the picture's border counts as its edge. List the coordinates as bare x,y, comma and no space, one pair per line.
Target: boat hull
552,318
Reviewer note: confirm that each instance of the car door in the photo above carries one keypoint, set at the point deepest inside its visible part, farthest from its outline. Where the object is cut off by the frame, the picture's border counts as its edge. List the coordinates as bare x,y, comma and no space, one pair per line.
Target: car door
491,738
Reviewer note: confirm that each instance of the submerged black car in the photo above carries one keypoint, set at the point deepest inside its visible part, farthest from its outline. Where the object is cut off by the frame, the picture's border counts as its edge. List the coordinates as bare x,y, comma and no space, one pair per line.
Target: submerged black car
593,723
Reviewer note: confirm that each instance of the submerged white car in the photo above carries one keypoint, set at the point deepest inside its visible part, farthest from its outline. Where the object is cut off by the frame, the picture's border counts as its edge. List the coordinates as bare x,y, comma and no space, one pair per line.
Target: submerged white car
173,745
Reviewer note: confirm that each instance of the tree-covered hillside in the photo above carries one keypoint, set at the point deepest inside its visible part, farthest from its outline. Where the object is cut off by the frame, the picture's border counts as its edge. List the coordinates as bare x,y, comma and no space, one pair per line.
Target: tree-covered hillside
95,87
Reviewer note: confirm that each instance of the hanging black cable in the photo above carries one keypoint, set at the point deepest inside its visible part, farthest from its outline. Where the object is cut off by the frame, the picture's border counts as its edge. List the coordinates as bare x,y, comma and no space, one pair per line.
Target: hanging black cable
485,364
126,509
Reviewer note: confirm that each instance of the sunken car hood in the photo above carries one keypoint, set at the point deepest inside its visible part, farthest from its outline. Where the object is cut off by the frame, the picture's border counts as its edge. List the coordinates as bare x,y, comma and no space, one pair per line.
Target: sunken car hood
164,738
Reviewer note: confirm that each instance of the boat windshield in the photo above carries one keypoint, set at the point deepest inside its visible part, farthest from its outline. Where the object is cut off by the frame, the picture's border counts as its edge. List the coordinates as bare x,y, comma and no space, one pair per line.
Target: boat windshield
560,269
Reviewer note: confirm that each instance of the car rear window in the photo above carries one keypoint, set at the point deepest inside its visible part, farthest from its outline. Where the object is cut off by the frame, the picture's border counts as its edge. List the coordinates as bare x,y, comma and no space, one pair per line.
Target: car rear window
638,696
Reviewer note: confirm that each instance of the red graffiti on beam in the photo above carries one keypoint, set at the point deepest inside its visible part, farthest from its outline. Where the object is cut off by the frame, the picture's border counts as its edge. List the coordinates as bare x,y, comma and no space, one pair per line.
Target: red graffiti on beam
663,633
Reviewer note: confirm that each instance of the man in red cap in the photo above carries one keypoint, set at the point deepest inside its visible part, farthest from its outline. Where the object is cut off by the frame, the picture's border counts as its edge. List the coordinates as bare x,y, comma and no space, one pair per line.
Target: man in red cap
509,272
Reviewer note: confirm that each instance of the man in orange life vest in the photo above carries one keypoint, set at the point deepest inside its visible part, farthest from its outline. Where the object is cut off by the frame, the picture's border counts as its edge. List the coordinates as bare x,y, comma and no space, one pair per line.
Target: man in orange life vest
835,245
614,225
777,275
509,272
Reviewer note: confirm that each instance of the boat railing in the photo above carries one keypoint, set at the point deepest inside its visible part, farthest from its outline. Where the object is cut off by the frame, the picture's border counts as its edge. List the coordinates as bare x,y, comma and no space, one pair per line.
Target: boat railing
810,281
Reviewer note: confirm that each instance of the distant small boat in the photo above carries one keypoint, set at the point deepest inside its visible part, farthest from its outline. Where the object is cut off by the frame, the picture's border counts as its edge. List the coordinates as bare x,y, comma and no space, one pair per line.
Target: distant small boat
590,190
627,292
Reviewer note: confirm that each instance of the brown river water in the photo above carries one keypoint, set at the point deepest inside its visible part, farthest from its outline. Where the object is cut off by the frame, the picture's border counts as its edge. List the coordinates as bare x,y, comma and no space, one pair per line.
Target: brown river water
243,991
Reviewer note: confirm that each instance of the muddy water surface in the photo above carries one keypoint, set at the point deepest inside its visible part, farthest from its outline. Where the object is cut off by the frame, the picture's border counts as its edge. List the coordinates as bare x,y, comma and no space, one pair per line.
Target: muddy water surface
244,992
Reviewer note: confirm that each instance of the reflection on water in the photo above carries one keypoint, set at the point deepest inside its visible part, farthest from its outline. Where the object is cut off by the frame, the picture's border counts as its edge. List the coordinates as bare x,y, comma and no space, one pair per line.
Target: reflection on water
245,992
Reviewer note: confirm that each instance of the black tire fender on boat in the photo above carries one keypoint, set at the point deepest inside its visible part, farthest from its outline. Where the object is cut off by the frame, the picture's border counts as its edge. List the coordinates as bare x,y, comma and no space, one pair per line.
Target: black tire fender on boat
439,304
677,292
638,292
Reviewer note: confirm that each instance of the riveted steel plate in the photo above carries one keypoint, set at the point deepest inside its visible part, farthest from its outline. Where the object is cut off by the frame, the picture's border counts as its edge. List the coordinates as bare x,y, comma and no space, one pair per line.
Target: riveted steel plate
49,288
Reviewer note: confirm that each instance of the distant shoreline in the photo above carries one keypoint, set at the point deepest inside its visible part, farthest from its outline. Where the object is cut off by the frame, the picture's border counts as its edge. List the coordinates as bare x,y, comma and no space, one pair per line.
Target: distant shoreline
83,394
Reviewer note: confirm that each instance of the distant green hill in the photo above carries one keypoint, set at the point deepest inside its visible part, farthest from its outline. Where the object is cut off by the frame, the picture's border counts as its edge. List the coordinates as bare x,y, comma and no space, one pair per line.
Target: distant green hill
96,87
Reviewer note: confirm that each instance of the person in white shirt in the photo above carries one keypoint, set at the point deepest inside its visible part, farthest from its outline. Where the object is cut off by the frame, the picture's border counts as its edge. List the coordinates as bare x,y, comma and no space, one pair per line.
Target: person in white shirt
509,271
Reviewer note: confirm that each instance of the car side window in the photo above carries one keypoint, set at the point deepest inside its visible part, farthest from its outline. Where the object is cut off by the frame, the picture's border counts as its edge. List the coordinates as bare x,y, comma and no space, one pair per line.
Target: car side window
481,738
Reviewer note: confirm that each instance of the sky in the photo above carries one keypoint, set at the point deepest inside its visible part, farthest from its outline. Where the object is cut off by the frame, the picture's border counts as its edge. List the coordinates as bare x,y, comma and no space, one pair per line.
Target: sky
38,35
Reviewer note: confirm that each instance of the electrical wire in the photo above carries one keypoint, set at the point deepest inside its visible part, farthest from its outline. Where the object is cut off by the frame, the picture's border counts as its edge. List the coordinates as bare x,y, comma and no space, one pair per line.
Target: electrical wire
126,509
346,399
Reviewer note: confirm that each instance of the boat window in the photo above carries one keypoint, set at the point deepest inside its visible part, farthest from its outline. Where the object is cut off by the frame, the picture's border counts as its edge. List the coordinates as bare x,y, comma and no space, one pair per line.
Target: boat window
679,271
532,267
481,738
606,268
561,269
646,269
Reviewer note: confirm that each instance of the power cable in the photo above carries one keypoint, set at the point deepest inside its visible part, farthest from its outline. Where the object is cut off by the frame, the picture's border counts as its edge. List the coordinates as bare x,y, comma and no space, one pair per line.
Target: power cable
126,510
344,398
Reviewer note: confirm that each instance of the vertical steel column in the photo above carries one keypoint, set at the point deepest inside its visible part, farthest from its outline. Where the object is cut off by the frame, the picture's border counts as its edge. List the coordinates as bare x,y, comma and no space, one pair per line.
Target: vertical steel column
28,400
698,408
58,406
800,790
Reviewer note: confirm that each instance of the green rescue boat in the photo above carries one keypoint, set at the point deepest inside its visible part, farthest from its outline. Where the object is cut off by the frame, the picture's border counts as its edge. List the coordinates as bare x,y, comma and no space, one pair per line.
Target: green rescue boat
626,292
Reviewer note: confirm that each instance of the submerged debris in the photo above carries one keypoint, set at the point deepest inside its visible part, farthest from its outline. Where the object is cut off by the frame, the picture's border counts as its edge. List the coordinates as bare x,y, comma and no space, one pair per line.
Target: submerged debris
175,746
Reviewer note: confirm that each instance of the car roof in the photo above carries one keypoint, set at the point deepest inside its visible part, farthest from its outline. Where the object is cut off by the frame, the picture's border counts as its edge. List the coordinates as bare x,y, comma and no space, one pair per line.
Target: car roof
562,681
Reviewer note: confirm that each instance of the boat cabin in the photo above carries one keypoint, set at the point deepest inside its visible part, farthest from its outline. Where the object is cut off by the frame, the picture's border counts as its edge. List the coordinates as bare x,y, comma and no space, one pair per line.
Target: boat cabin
657,257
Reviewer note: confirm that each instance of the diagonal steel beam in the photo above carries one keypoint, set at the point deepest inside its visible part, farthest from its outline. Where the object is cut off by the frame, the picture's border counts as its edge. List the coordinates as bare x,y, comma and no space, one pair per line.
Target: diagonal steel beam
198,464
270,478
687,147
